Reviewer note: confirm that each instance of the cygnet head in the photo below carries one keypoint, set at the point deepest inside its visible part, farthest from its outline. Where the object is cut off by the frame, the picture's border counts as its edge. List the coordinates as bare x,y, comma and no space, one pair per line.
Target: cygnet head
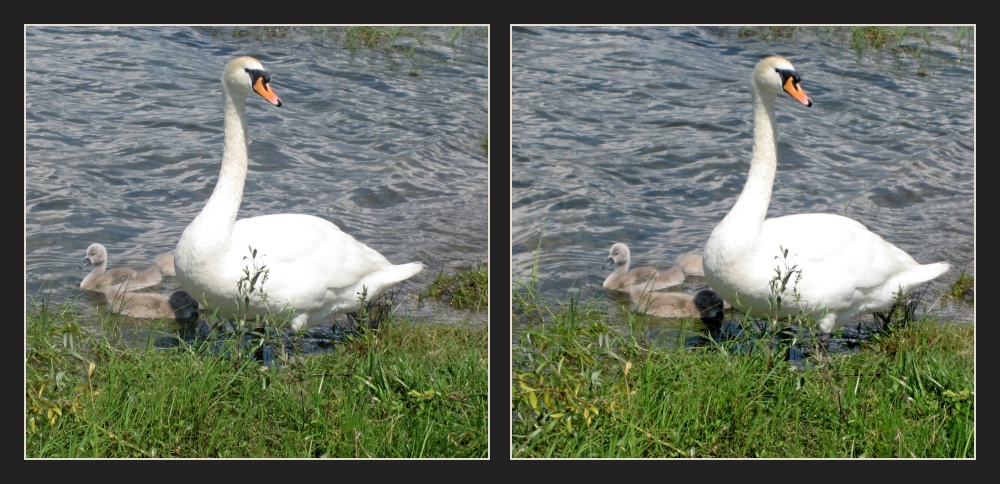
618,255
184,306
711,307
97,255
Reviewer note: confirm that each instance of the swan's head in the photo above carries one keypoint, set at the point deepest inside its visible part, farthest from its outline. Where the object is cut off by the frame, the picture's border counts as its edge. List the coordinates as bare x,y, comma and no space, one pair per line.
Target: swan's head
775,74
96,255
245,75
618,255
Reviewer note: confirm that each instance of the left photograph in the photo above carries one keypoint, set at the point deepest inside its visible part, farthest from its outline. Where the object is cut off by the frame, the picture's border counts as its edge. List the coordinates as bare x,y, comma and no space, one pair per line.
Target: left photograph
256,242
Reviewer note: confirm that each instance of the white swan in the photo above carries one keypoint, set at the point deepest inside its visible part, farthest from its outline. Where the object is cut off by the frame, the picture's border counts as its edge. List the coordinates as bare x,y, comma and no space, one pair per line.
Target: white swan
314,269
100,276
846,270
622,279
178,305
705,305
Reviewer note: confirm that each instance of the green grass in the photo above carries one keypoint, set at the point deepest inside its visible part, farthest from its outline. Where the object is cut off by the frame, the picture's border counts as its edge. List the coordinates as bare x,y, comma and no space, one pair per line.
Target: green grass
260,32
587,384
466,289
403,389
963,289
903,42
864,37
359,37
382,37
767,33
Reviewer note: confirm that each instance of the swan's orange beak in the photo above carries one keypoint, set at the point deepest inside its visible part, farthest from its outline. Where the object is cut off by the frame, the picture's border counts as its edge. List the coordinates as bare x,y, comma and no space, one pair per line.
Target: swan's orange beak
793,88
264,89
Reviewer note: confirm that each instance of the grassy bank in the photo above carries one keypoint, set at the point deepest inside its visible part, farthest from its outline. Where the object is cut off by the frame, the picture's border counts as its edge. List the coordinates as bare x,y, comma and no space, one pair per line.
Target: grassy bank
584,386
405,389
908,44
468,288
900,38
405,40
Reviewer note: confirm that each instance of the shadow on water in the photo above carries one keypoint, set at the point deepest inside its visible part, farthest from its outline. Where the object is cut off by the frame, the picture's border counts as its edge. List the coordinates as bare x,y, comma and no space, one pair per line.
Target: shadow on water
261,340
270,346
796,343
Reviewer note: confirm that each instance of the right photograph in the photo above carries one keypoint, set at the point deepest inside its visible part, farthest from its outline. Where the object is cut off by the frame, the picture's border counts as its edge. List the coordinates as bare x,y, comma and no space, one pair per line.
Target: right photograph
743,242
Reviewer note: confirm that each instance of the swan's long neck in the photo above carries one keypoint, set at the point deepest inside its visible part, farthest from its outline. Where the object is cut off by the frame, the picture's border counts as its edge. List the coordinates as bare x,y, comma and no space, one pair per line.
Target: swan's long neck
219,214
747,215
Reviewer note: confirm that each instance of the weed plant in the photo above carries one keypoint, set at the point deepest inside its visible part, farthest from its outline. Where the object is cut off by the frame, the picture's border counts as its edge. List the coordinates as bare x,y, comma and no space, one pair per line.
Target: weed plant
363,37
903,42
964,289
466,289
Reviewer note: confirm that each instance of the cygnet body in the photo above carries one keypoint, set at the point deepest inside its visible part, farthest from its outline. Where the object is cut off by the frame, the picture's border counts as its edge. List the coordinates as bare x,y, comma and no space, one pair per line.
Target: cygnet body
178,305
691,264
127,278
648,278
165,262
706,305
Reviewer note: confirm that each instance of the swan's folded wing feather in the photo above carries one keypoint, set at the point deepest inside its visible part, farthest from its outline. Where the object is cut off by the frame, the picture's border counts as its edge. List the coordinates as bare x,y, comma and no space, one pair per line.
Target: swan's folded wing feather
304,251
836,249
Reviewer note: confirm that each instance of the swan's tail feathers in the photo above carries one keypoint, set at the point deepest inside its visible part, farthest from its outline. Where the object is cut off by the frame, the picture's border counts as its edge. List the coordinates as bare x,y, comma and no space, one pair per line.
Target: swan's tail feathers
400,272
926,272
377,282
932,271
382,279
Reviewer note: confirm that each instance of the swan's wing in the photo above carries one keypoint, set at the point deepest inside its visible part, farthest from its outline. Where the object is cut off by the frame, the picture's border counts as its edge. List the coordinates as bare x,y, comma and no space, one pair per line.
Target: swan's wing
834,250
304,251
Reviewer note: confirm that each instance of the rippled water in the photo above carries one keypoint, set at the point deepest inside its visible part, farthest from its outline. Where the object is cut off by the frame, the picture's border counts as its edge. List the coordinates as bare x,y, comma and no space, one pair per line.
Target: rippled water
123,144
643,135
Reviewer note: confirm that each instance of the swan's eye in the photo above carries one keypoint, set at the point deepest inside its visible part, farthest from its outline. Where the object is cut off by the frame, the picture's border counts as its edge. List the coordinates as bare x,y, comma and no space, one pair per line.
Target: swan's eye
257,74
787,74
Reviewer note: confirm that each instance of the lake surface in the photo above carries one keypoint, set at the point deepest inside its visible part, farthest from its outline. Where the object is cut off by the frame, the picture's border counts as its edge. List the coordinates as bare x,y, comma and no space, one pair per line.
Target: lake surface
123,145
643,135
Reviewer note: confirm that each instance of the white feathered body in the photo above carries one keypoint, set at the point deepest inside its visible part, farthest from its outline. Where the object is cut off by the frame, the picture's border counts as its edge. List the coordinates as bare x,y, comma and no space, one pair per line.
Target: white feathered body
312,266
844,268
313,269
